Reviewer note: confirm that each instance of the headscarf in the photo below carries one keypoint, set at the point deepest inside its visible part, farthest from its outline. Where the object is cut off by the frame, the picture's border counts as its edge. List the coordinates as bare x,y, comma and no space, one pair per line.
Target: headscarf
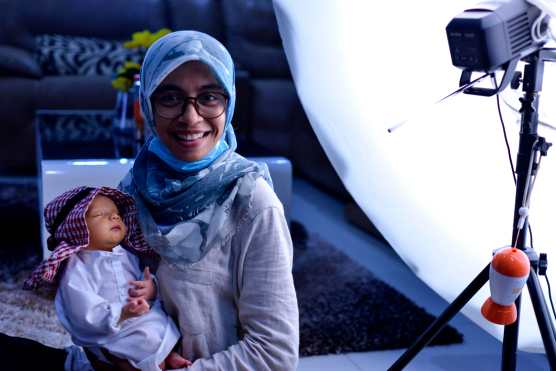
65,221
185,207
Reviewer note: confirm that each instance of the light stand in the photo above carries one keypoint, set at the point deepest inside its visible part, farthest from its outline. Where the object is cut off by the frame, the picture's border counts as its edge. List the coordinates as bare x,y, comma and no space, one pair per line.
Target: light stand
529,143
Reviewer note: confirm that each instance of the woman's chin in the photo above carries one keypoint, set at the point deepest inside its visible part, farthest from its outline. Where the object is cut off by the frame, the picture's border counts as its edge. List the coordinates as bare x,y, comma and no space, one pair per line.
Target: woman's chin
189,154
192,150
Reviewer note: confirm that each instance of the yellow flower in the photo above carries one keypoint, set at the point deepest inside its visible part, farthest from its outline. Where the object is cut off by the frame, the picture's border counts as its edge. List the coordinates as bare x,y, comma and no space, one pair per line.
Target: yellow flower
141,40
122,83
138,39
145,38
159,34
129,65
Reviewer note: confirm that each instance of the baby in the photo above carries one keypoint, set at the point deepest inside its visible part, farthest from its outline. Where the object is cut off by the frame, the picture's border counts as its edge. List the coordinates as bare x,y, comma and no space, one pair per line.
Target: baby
103,300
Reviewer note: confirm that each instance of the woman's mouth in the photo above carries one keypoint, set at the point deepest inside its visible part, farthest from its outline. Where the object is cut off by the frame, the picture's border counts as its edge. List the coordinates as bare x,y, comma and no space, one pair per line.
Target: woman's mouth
191,139
116,228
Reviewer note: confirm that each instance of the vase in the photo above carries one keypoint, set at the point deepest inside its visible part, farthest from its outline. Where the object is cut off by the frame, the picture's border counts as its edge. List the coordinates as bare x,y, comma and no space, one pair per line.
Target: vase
127,128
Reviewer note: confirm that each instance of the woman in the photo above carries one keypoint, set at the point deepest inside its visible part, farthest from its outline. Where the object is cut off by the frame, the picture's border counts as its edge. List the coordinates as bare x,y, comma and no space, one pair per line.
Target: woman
226,253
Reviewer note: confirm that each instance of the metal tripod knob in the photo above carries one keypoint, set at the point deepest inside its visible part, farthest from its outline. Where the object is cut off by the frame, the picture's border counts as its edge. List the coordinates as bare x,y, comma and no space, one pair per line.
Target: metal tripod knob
516,80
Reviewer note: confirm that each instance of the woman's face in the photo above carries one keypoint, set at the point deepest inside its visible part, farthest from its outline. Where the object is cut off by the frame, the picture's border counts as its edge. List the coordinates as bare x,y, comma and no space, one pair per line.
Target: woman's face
189,136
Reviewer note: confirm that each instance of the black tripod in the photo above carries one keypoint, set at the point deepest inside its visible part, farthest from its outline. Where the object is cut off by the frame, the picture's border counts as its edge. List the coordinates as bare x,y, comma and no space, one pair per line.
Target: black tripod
529,144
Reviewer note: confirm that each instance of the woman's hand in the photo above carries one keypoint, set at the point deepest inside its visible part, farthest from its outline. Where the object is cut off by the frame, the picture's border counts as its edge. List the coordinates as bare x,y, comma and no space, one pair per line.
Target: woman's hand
143,289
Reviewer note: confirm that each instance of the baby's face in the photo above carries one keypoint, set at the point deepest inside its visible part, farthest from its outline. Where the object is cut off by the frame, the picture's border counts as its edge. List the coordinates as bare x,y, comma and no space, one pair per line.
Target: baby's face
106,228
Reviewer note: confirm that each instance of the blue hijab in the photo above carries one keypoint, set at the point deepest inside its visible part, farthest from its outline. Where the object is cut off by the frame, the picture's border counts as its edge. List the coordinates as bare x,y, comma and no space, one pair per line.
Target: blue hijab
191,199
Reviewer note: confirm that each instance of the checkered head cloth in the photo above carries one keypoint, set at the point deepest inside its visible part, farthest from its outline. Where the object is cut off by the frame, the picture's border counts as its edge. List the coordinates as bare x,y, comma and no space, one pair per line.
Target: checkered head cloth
65,221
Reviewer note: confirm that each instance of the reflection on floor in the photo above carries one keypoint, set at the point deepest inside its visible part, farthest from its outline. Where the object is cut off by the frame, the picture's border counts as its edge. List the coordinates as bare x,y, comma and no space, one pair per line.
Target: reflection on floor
324,215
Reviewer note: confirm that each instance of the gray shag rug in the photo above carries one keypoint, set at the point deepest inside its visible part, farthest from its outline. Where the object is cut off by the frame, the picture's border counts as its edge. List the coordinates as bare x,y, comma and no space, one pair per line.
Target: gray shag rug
24,314
345,308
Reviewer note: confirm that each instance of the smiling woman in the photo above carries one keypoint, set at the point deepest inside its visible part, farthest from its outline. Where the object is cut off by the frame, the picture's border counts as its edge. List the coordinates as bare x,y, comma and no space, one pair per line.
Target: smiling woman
225,273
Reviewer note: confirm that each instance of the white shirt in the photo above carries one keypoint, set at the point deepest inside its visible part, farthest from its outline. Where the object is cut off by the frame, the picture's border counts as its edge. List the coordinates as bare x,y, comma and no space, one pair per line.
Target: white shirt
237,307
93,289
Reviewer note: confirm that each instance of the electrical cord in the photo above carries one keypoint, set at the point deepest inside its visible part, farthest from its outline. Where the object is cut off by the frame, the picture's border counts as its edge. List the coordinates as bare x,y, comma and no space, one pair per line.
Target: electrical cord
510,157
536,30
550,295
505,134
548,9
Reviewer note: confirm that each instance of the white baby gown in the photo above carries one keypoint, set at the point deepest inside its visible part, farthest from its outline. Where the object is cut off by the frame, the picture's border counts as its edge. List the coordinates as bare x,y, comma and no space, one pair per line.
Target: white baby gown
92,291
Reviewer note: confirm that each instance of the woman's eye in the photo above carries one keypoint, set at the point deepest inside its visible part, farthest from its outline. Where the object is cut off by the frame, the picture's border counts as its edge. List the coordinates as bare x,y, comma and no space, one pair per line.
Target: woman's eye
170,100
209,98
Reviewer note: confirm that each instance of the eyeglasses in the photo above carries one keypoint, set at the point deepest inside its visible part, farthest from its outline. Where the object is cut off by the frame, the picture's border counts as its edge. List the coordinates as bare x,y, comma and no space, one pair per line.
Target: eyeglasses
171,104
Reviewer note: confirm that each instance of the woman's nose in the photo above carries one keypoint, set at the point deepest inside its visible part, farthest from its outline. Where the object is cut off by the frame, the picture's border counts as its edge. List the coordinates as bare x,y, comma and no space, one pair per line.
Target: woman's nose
190,114
115,216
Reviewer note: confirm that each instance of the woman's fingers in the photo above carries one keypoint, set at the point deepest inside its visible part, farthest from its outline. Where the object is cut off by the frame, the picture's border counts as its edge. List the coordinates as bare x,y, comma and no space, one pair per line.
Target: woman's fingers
140,288
137,293
138,284
147,274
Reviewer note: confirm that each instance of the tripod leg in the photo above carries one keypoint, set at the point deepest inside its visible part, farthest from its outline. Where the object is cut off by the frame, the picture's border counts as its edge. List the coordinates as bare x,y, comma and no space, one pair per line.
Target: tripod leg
509,342
427,336
544,321
544,318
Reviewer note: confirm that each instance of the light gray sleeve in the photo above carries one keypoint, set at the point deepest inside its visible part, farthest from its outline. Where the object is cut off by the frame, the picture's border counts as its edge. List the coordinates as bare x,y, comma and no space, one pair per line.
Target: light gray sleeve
267,303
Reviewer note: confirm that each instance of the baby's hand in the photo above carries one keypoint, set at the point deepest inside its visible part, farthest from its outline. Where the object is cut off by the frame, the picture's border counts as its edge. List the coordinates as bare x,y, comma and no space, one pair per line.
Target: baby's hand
135,308
144,289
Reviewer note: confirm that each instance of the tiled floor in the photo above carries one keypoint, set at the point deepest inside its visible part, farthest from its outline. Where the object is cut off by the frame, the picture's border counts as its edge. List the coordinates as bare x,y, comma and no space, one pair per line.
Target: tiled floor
480,351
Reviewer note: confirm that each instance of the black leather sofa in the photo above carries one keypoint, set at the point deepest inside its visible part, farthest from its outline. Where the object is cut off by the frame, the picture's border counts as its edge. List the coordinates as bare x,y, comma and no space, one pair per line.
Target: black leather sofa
269,117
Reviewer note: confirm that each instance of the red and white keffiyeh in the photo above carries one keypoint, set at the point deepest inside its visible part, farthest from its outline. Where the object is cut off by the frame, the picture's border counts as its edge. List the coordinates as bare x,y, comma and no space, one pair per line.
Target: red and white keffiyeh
71,234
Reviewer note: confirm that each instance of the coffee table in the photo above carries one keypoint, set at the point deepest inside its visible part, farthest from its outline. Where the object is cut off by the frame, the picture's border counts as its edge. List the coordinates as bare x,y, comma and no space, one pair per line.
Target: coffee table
75,134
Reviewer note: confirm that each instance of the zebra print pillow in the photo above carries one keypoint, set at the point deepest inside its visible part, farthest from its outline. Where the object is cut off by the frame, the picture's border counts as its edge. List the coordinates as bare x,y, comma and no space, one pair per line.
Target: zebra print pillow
74,55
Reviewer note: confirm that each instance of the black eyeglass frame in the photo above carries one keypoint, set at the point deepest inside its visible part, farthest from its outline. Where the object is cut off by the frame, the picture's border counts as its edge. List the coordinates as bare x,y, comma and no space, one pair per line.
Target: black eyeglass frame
195,103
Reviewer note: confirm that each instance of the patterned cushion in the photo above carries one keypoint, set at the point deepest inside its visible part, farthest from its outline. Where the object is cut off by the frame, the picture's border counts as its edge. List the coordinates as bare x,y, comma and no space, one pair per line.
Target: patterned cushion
18,62
73,55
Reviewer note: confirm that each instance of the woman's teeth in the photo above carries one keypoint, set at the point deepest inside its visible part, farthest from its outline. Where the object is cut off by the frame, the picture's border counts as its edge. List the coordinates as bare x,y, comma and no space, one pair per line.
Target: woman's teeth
190,136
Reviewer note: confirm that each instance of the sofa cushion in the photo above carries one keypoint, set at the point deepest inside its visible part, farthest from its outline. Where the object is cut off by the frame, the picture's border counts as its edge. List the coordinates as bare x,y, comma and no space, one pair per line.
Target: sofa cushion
75,55
253,38
105,19
18,62
75,92
17,142
274,103
12,31
199,15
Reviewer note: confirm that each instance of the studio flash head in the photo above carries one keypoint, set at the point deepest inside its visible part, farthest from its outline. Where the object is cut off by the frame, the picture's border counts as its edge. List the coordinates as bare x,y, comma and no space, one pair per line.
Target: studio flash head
493,33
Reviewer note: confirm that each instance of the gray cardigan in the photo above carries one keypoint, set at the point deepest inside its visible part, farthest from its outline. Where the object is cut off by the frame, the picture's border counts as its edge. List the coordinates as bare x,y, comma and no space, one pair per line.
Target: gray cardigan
237,308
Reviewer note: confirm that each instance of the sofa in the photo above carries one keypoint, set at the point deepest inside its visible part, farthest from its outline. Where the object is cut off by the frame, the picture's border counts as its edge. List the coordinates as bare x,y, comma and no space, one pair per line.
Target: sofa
269,118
